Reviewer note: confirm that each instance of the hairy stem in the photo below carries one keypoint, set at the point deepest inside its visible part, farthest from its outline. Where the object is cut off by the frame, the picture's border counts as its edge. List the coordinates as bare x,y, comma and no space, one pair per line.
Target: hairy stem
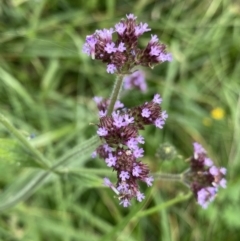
169,177
115,93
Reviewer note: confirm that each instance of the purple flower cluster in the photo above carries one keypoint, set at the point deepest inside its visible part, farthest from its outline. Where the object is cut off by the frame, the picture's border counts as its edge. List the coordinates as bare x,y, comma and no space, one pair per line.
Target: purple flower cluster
136,80
123,54
203,177
120,148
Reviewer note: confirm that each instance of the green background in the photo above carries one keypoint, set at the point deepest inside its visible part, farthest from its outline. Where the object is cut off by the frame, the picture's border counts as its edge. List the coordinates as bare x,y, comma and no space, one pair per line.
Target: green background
46,90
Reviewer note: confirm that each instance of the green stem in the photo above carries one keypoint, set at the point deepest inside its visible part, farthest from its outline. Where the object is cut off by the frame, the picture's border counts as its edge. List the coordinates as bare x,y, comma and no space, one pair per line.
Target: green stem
40,160
115,93
169,177
161,206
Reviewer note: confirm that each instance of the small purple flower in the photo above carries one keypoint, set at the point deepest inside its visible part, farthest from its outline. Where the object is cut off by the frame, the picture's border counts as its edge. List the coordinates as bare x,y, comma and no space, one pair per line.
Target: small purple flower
125,202
149,181
159,123
136,171
111,68
154,39
124,175
146,112
118,105
128,119
107,182
89,46
164,57
94,154
97,99
198,148
118,121
132,143
111,160
107,148
157,99
121,47
140,139
120,28
102,131
138,152
208,162
102,113
140,196
164,115
131,16
155,51
123,187
110,48
141,28
105,34
206,196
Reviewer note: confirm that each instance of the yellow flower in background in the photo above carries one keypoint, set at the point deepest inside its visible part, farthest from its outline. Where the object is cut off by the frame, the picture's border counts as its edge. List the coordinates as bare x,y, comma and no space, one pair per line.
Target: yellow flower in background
218,113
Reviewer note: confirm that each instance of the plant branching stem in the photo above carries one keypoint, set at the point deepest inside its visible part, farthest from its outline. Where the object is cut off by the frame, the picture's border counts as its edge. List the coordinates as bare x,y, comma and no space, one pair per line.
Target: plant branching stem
115,93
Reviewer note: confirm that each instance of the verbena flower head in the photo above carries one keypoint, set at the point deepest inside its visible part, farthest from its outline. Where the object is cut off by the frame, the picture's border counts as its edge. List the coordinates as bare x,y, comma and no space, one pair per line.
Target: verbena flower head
122,53
203,177
121,148
136,80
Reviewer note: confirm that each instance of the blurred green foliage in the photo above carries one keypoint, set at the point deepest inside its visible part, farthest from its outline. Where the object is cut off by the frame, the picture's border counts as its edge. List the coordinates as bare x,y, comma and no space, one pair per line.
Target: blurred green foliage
46,89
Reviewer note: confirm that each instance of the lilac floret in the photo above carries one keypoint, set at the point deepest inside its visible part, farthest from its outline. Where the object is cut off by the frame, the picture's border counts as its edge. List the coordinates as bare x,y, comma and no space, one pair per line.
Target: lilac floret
223,183
94,154
105,34
164,115
111,160
214,170
118,120
107,182
208,162
120,28
102,131
140,196
141,28
123,187
206,196
157,99
154,39
155,51
149,181
136,171
140,139
132,143
110,48
102,113
125,202
111,68
138,152
131,16
97,99
121,47
159,122
198,149
118,105
124,175
107,148
146,112
164,57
